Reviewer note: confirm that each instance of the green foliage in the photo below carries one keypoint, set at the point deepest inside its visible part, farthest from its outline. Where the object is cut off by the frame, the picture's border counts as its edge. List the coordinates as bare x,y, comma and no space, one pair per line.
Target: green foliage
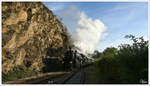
18,72
108,65
134,60
129,64
110,50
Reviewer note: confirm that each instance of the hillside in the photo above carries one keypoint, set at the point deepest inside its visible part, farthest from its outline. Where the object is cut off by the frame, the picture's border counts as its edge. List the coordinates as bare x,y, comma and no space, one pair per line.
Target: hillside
31,33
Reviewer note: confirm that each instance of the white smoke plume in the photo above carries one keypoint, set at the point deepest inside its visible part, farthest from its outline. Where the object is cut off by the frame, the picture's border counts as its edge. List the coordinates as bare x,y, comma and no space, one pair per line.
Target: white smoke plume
86,33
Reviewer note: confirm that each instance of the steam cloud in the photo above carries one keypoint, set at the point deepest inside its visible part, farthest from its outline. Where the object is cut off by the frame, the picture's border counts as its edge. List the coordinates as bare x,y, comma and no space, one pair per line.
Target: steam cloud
86,33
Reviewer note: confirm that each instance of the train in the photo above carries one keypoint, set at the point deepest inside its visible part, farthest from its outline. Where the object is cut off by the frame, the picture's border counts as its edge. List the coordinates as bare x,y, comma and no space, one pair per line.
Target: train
76,60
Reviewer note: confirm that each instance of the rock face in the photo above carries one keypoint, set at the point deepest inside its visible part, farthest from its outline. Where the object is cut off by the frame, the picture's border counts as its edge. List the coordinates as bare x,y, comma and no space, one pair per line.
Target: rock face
30,33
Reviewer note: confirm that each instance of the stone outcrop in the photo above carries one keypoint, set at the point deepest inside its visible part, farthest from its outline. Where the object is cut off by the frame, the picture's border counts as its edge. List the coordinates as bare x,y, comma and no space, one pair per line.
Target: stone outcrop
30,33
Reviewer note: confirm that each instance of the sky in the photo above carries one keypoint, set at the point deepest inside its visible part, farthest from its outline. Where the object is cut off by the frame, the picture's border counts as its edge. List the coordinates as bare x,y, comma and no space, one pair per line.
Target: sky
119,18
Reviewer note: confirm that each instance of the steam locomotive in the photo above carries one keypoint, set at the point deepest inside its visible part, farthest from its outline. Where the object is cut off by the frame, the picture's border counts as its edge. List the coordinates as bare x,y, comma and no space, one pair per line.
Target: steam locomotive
73,60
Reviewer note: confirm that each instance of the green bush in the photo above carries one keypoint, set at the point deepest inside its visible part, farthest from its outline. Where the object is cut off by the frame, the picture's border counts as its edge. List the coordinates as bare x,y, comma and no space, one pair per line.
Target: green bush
134,60
108,66
128,64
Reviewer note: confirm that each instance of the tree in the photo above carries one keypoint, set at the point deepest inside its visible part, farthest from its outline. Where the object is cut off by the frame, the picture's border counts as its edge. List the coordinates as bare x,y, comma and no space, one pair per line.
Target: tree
134,60
108,65
112,50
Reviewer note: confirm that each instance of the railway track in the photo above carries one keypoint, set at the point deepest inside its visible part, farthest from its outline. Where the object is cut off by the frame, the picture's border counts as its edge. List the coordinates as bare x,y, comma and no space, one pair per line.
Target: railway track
62,79
78,78
66,78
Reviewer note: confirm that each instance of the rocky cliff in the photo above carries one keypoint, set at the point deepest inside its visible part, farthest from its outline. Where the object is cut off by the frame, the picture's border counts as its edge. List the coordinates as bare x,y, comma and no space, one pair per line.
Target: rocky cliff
30,34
